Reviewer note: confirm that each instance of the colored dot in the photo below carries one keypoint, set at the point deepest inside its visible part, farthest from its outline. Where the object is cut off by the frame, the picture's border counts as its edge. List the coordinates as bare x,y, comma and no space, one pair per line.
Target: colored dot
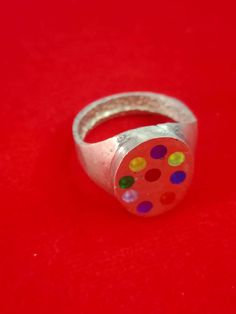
176,159
167,198
178,177
130,196
126,182
137,164
158,152
144,207
152,175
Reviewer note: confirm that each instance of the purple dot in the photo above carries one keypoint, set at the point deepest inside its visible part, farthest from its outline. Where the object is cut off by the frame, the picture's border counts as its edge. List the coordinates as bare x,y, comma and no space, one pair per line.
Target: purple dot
144,207
158,152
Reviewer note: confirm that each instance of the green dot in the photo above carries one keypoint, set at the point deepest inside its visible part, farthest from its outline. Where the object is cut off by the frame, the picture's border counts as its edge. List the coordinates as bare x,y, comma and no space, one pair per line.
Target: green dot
126,182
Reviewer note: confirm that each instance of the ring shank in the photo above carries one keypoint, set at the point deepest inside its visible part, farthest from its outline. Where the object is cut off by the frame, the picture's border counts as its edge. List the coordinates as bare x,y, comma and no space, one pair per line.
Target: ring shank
121,104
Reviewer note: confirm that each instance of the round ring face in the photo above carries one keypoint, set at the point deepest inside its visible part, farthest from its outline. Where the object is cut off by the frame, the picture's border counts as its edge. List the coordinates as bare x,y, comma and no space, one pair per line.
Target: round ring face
154,176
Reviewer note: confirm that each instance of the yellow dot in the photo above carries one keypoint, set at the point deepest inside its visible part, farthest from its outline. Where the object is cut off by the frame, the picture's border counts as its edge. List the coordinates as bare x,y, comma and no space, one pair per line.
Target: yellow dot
176,159
137,164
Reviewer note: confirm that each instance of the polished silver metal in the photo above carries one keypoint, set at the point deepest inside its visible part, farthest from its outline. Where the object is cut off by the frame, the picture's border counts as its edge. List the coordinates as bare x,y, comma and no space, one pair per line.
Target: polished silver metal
103,160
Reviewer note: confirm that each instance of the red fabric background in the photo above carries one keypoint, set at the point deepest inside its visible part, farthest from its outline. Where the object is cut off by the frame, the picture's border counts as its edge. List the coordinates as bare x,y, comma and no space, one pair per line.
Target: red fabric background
67,246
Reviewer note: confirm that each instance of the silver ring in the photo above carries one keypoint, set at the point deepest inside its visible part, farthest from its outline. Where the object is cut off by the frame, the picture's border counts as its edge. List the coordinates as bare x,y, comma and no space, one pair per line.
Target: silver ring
148,169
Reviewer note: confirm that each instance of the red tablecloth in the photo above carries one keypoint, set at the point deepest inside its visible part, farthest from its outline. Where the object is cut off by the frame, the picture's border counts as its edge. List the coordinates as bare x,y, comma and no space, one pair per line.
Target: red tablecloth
67,246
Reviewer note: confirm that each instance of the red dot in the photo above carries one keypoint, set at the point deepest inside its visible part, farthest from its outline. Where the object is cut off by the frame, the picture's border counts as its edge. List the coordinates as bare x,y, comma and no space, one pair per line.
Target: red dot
167,198
152,175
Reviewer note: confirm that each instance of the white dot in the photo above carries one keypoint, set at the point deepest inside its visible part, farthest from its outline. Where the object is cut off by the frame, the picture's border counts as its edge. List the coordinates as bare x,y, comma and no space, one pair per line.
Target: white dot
130,196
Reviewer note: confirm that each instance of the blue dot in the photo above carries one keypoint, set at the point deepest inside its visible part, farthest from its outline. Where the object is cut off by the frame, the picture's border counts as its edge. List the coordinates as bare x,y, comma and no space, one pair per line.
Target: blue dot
144,207
178,177
158,151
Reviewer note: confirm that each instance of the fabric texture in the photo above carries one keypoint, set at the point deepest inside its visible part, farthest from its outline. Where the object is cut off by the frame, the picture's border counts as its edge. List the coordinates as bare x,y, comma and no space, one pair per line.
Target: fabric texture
66,245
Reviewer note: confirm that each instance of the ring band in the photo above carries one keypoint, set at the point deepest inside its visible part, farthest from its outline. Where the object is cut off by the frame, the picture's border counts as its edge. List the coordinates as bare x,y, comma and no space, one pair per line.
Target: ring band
148,168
